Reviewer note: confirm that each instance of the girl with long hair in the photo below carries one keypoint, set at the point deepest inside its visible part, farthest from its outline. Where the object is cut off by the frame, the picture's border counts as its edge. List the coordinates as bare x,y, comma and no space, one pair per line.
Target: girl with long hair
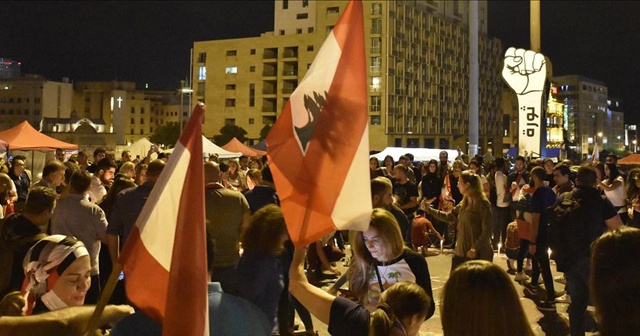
613,186
474,221
468,291
402,309
633,198
380,259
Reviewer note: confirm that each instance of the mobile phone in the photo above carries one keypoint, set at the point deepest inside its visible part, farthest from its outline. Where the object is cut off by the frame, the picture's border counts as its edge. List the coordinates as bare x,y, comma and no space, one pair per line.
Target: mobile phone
121,276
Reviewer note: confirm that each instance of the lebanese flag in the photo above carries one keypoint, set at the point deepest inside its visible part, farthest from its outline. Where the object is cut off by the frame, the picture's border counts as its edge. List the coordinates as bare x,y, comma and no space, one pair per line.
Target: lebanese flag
318,149
164,258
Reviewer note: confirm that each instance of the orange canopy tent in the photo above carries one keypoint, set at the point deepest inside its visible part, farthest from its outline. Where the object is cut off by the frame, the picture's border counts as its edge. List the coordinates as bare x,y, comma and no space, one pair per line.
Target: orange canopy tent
633,159
234,145
26,138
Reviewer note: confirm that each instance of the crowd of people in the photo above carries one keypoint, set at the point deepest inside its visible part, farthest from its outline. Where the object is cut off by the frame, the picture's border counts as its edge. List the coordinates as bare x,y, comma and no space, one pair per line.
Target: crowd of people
65,230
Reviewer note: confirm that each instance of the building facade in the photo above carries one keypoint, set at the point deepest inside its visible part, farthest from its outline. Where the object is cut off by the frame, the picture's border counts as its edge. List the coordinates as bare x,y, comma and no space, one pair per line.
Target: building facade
417,61
585,112
9,68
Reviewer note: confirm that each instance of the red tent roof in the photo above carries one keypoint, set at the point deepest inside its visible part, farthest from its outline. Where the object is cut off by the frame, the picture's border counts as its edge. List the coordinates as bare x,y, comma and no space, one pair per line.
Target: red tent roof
234,145
630,160
24,137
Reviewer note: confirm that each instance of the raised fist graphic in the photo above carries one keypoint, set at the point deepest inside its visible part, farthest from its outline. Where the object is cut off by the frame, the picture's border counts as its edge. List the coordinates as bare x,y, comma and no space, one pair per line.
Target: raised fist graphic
524,70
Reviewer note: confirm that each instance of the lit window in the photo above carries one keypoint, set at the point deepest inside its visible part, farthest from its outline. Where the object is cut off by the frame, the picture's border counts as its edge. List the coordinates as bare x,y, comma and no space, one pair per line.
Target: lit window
202,73
231,70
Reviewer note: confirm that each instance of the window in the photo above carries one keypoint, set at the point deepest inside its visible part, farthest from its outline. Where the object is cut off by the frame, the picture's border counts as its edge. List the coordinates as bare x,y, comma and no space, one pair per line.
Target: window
231,70
252,52
232,53
230,102
376,43
252,95
252,69
202,57
202,73
375,120
230,122
329,28
302,16
131,131
375,64
375,103
251,121
285,4
299,31
375,84
376,26
141,121
310,30
310,48
230,87
376,8
151,130
133,110
305,3
281,31
141,131
333,10
133,120
142,110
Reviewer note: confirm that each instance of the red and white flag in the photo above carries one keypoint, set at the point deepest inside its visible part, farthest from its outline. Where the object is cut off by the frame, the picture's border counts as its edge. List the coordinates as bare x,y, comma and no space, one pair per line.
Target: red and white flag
164,258
318,149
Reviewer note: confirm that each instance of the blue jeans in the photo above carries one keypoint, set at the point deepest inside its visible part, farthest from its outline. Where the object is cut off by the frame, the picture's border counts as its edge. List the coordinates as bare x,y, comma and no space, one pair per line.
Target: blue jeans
578,289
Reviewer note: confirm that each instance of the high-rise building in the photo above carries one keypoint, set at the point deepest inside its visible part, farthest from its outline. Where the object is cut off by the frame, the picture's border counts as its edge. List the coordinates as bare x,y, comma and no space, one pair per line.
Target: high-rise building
9,68
417,61
585,112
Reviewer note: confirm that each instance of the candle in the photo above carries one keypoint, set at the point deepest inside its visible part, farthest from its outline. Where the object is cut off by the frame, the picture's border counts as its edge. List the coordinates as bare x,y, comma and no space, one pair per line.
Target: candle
441,242
549,253
499,247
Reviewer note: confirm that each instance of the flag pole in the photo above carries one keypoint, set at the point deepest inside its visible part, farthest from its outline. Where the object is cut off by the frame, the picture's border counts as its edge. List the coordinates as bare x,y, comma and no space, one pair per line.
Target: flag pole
92,326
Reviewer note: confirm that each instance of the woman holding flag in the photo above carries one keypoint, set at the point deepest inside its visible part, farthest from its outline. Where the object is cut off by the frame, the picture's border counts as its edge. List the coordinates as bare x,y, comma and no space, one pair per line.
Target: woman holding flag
474,220
402,308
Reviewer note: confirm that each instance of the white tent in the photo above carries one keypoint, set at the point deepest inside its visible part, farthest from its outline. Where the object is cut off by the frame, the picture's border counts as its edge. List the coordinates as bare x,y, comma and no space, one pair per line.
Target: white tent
209,148
140,147
419,154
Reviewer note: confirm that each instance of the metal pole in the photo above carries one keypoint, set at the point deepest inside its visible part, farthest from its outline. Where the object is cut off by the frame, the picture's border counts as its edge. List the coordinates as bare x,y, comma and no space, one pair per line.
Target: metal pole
534,22
473,78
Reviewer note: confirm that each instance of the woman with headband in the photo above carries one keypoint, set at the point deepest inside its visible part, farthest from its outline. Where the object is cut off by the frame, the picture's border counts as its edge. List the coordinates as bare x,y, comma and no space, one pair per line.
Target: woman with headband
57,274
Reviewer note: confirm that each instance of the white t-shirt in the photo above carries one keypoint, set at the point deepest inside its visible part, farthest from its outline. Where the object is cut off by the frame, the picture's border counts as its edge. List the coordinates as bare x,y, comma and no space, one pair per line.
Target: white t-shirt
616,196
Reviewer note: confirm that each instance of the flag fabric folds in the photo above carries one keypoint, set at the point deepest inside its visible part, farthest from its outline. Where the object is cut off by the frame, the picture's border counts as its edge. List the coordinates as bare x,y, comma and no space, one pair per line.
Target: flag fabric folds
318,149
164,258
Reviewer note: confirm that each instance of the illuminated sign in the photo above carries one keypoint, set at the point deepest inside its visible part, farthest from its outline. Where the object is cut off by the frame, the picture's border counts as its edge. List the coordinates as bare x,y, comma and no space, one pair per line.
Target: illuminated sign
525,71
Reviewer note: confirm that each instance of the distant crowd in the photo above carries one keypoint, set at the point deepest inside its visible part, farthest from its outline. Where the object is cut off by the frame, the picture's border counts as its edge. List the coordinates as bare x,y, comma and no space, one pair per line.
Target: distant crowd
61,234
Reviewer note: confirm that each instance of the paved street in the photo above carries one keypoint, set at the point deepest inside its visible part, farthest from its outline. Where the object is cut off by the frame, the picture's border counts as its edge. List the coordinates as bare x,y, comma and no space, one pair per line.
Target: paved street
439,265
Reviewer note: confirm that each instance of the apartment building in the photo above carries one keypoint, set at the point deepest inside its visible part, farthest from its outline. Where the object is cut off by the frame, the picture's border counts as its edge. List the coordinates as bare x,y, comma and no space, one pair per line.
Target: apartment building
417,61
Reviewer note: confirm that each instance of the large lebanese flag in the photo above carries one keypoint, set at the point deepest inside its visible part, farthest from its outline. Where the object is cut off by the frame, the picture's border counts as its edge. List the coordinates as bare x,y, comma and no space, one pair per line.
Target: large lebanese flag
164,258
318,149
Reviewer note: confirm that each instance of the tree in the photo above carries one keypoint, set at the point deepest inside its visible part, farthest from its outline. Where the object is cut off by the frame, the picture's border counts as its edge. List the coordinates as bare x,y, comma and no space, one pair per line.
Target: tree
265,131
167,134
229,132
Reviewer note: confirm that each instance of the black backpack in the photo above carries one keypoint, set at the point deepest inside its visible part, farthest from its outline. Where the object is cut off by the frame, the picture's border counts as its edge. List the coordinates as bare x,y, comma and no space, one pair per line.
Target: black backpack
570,226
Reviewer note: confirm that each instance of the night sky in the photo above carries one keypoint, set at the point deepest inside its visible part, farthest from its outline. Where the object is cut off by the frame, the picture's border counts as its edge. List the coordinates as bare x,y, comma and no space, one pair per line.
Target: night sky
149,42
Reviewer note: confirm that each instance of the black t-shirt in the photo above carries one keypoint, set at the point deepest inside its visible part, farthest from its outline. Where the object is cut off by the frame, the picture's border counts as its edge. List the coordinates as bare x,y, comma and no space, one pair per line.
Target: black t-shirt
542,199
17,227
261,196
348,318
403,193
